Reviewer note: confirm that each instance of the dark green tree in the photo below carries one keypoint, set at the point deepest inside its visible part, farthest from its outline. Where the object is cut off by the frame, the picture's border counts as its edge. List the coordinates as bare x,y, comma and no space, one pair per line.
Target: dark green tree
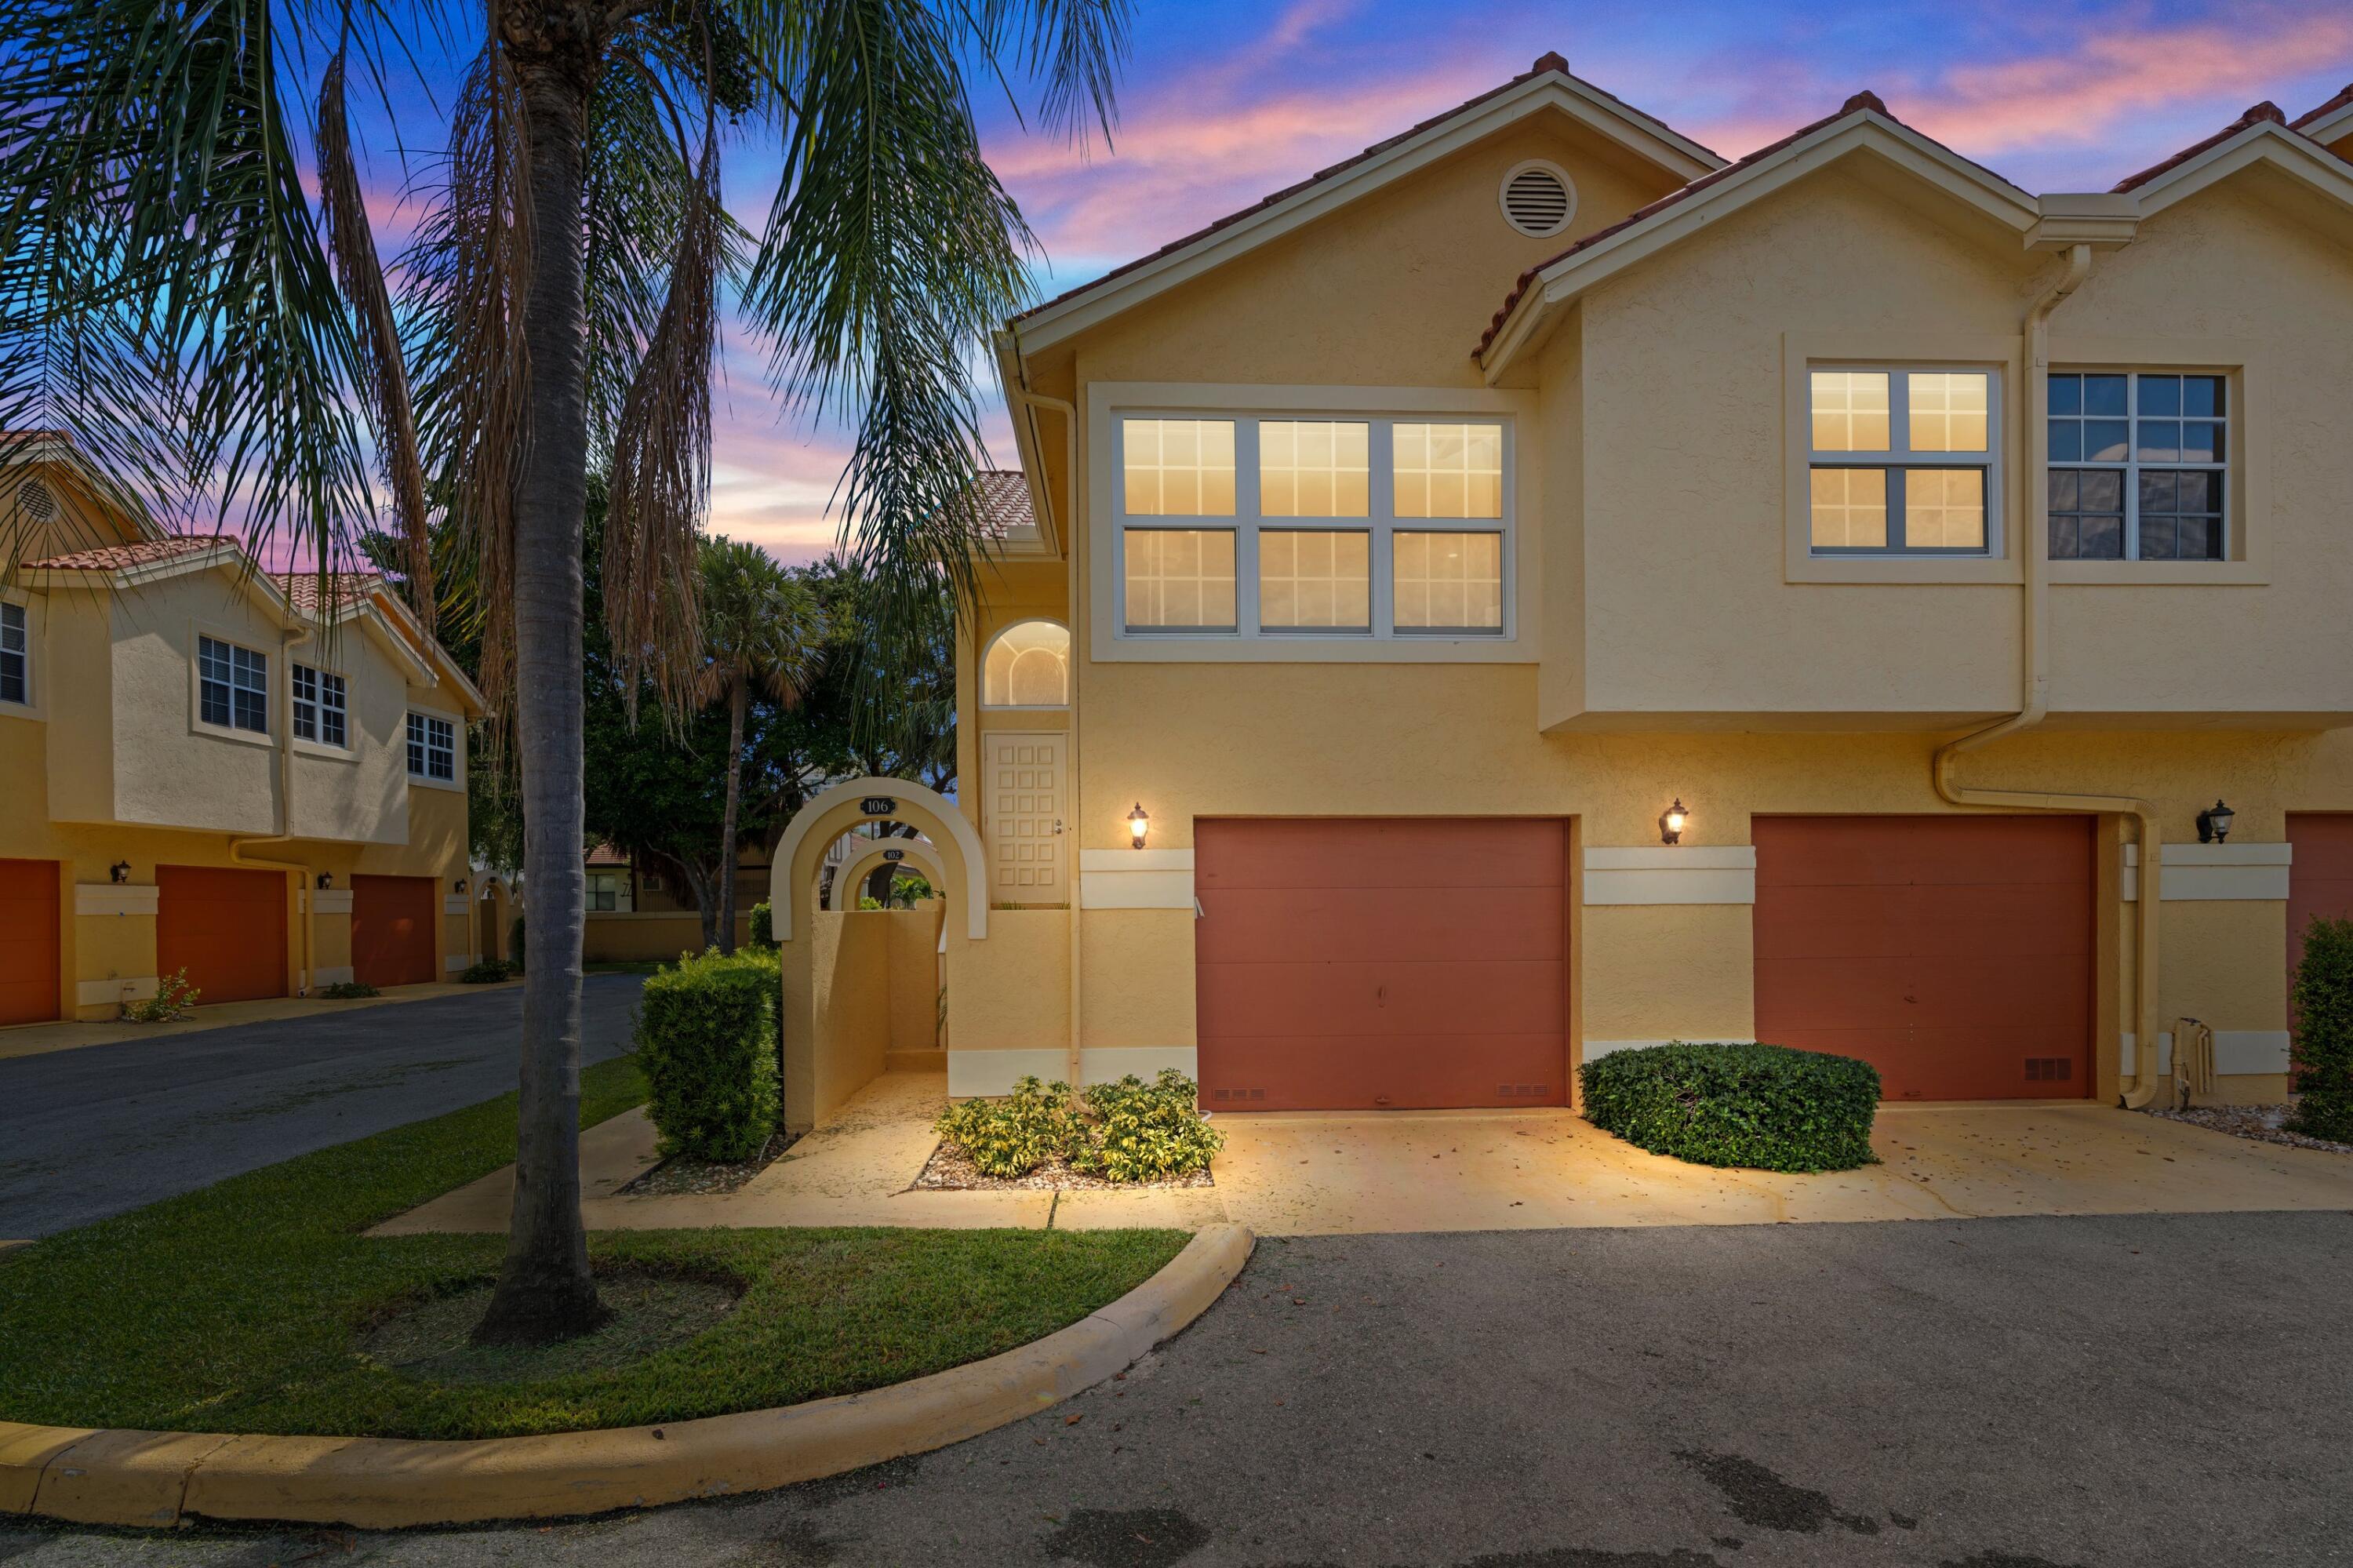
2323,1073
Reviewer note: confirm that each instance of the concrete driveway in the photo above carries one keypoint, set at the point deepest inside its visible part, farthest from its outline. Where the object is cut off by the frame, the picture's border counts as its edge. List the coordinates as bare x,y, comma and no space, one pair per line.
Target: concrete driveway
2113,1392
89,1133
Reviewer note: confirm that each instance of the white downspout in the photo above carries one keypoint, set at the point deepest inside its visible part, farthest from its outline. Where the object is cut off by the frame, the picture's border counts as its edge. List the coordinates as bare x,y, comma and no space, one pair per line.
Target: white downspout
2035,696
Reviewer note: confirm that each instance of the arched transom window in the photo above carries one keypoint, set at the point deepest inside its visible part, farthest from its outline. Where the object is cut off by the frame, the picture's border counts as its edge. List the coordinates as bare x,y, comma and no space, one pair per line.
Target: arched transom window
1028,666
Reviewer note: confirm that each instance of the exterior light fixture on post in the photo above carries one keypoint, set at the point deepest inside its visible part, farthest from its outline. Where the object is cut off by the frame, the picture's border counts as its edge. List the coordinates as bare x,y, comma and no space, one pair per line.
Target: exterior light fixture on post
459,886
326,880
2214,822
1671,822
1138,825
119,872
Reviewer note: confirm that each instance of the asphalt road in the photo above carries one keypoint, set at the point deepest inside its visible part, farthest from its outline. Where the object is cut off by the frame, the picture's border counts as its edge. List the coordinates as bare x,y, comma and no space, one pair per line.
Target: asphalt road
90,1132
1993,1393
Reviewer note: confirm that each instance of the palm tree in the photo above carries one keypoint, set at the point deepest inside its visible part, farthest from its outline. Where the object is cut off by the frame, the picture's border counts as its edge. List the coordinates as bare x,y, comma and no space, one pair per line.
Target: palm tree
171,301
761,628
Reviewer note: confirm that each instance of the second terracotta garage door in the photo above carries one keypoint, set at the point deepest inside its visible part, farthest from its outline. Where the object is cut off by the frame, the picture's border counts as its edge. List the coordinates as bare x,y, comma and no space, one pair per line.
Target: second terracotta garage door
226,927
392,929
1363,964
1952,953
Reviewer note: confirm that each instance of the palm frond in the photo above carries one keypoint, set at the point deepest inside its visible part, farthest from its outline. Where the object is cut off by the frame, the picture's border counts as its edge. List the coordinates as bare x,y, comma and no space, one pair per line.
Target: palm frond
1073,48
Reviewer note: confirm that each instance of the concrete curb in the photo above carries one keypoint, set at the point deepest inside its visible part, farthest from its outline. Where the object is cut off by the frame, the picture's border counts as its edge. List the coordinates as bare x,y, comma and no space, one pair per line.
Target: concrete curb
156,1479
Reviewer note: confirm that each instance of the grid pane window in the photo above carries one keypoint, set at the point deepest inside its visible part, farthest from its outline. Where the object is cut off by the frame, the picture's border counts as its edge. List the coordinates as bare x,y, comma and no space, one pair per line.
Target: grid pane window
1449,582
1318,579
319,711
1449,470
432,748
232,685
1902,461
1178,468
1315,468
2140,466
1180,579
15,656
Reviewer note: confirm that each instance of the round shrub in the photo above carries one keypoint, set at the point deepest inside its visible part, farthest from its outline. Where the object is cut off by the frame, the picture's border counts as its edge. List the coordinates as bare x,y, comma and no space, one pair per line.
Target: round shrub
1767,1108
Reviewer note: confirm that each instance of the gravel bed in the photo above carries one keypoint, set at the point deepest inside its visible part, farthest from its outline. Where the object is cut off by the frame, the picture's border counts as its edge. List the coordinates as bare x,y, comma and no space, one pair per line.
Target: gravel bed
951,1170
679,1173
2259,1122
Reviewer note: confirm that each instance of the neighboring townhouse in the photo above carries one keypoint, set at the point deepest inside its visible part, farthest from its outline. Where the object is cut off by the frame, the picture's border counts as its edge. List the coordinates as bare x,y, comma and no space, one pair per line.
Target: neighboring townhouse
1538,589
212,769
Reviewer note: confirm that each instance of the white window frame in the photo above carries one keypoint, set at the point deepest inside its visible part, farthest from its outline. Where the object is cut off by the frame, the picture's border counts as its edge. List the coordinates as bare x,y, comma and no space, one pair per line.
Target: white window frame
457,779
233,728
1381,523
1899,456
22,653
2131,463
341,707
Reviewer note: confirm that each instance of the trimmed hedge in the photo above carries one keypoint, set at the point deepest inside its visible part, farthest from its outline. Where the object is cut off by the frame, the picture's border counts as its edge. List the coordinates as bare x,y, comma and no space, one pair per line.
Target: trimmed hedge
707,1043
763,925
1767,1108
2323,1064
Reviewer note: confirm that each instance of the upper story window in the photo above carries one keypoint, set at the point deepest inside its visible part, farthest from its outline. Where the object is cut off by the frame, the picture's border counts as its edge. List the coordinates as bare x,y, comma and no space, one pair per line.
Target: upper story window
1902,461
320,713
608,892
233,685
432,748
2140,466
1028,666
1366,527
15,656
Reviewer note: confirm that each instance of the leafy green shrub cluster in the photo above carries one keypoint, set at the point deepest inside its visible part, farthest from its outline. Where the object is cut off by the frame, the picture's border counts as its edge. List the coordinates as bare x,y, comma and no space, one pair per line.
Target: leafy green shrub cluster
707,1043
763,925
2323,1060
174,998
1767,1108
348,991
1131,1131
486,972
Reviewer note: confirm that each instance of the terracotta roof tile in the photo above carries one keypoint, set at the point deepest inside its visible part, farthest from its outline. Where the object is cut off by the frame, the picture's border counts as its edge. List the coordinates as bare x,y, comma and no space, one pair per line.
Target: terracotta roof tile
1004,501
1549,62
2331,107
303,589
119,557
2255,114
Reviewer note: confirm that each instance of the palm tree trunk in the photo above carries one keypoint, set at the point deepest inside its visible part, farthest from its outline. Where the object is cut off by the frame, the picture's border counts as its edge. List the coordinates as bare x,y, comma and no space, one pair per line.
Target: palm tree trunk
735,704
545,1291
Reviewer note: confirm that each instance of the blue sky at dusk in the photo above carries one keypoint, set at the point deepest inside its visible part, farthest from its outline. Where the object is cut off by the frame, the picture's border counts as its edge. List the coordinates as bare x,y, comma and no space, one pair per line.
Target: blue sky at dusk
1224,101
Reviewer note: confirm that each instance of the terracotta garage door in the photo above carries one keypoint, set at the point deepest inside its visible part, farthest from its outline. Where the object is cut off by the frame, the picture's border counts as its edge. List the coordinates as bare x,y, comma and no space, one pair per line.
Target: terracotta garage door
226,927
2320,877
392,929
28,940
1952,953
1389,964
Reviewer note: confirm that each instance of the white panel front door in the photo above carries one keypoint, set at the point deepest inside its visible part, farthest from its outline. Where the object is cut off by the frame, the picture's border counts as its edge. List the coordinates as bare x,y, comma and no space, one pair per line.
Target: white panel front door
1023,802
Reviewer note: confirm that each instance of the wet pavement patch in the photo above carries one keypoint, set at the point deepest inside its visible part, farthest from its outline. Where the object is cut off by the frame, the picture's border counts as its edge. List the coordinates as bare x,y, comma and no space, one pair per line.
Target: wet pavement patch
1763,1499
1129,1537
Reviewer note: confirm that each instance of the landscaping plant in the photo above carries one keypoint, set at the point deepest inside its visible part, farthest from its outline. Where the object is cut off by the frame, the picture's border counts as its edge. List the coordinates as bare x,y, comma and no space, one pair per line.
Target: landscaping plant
763,925
1130,1131
174,998
485,971
706,1043
1017,1134
353,990
2323,1062
1767,1108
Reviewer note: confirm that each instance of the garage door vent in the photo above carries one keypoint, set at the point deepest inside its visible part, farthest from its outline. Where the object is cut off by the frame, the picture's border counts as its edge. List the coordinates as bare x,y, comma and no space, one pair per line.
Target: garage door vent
1523,1091
1233,1094
2049,1069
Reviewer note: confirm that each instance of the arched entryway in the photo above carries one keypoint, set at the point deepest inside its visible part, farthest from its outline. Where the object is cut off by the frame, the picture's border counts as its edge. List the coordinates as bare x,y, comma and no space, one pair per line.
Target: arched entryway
867,856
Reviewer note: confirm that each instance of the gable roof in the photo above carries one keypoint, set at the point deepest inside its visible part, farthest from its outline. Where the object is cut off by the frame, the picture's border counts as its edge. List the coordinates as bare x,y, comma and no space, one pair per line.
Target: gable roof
2260,136
2265,111
2328,122
123,557
1547,84
1862,123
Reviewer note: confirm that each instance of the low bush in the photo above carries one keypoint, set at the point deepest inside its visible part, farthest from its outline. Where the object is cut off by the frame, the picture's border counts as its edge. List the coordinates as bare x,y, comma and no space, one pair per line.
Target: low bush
1767,1108
2322,1066
1130,1131
348,991
763,925
174,998
707,1043
485,971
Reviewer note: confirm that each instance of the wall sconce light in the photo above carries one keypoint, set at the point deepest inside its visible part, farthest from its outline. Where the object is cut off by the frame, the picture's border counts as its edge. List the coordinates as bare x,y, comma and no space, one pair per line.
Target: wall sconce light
459,886
2214,822
119,872
1671,822
326,880
1138,825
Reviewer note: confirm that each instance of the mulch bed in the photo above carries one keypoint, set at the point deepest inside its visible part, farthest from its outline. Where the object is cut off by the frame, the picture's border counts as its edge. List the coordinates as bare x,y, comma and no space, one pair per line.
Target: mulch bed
2260,1123
950,1170
679,1173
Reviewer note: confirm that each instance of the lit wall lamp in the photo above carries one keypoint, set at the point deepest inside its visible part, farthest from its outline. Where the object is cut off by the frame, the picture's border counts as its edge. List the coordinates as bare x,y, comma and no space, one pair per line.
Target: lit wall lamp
2214,822
119,872
1138,825
459,886
326,880
1671,822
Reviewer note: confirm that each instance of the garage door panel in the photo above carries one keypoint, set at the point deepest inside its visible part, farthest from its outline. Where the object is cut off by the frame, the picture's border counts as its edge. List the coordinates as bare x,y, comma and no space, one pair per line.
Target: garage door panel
1384,999
29,942
1341,924
393,919
1400,853
1829,992
226,927
1423,1072
2003,991
1835,922
2320,877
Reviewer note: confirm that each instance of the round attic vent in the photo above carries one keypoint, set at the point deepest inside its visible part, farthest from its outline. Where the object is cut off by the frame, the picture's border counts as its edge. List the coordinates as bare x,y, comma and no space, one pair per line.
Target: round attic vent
1538,200
36,501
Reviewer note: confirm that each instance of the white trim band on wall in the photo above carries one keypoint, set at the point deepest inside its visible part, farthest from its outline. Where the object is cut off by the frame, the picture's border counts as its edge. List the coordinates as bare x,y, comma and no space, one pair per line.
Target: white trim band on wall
1672,873
456,961
995,1071
331,974
330,900
107,992
455,904
116,898
2235,1050
1136,879
2254,872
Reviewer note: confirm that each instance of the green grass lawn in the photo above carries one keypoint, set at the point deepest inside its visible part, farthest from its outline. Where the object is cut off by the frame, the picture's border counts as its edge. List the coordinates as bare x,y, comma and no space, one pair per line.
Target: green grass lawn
240,1308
